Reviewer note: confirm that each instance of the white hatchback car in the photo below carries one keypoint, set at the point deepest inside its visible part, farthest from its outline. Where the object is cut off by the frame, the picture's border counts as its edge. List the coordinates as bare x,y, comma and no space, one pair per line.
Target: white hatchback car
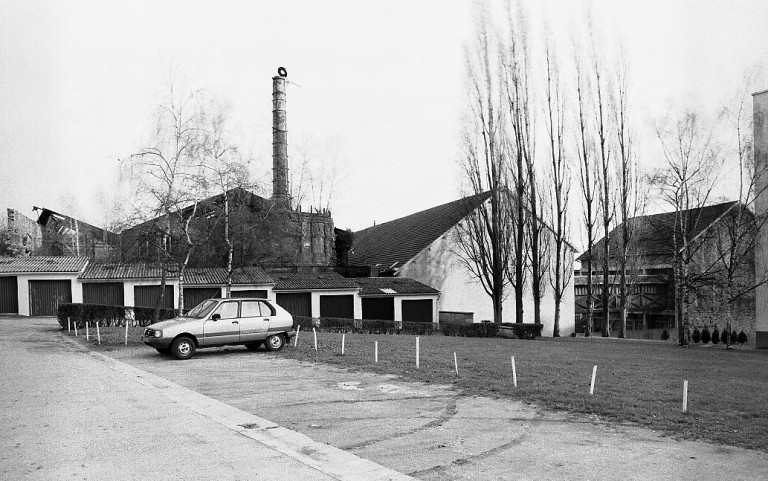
221,322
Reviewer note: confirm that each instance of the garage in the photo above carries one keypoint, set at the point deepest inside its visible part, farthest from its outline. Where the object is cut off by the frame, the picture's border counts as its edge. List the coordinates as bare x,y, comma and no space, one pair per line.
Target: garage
104,293
338,306
417,310
195,295
9,295
379,308
260,293
146,296
46,295
297,303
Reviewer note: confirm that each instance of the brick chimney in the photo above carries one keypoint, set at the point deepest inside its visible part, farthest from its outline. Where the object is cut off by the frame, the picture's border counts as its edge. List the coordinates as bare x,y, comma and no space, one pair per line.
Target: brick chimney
280,193
760,122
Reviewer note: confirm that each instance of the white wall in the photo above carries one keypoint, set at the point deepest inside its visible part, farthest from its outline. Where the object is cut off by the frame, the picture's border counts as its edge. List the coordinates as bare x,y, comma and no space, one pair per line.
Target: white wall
22,285
439,266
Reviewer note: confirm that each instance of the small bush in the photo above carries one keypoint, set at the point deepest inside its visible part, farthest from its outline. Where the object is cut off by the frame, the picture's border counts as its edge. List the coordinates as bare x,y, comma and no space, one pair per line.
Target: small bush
716,336
706,336
418,328
664,335
742,338
573,334
526,330
107,316
482,329
696,336
734,337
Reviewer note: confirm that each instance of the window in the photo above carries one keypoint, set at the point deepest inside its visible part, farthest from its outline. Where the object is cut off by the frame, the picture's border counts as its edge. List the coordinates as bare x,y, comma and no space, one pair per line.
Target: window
227,310
251,309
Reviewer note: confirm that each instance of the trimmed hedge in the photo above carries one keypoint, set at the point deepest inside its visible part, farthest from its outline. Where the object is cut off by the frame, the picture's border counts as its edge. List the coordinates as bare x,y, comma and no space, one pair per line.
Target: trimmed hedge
362,326
525,330
107,316
482,329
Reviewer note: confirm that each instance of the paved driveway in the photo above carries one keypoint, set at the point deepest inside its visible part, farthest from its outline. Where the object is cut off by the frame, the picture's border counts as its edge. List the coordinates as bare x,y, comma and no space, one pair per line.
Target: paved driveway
425,431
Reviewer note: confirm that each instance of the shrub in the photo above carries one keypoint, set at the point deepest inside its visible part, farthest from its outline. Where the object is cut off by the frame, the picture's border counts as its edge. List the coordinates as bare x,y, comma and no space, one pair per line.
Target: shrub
706,336
716,336
482,329
742,338
304,321
734,337
664,335
418,328
696,336
107,316
573,334
526,330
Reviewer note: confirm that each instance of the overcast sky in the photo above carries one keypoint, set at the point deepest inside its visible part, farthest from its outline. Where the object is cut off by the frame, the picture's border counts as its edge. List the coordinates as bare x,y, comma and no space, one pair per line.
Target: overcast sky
383,79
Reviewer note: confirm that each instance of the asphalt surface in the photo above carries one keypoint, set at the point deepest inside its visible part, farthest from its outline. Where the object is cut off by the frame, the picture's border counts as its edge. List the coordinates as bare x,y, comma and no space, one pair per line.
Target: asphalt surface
234,414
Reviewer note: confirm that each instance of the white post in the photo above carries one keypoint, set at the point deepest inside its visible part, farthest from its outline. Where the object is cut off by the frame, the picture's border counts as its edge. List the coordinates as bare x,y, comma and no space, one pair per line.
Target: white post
87,332
685,396
315,333
375,351
75,324
98,333
342,343
455,363
296,339
592,386
514,372
126,332
69,324
417,352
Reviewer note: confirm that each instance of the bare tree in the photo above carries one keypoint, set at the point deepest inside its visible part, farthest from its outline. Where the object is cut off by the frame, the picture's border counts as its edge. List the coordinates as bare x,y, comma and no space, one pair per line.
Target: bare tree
562,265
484,236
686,184
318,170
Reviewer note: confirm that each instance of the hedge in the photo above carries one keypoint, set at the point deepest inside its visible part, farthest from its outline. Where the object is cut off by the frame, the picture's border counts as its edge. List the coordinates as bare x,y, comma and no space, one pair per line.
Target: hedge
482,329
525,330
107,316
363,326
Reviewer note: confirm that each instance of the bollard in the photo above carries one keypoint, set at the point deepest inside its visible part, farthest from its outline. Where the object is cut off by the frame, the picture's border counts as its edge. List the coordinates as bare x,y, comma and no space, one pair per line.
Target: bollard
315,333
455,363
342,343
376,351
87,332
685,396
514,372
126,332
417,352
296,339
592,386
98,334
75,324
69,324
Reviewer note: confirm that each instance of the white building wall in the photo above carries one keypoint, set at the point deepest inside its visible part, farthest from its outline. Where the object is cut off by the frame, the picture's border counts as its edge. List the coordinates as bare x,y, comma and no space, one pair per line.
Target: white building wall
22,286
439,266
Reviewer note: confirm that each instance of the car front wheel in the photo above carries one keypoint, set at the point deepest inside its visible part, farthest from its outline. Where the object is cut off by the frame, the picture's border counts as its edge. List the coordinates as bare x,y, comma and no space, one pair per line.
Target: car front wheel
183,348
274,342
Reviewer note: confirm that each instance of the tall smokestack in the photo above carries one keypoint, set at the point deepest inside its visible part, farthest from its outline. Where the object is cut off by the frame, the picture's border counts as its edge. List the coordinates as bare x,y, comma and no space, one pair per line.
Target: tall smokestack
760,125
280,194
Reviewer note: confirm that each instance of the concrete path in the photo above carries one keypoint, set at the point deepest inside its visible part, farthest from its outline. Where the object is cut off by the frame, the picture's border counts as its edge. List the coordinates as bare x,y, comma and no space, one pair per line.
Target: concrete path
69,414
425,431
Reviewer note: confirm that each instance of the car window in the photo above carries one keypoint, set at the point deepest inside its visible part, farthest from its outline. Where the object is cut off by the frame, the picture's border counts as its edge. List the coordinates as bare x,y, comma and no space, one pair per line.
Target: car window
252,309
227,310
202,309
266,309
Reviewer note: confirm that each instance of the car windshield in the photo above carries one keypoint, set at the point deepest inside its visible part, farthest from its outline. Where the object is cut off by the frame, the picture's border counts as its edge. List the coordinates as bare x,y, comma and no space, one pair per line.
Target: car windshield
203,309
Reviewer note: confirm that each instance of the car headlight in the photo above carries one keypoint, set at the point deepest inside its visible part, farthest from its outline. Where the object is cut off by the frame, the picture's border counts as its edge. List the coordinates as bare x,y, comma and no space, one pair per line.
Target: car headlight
158,333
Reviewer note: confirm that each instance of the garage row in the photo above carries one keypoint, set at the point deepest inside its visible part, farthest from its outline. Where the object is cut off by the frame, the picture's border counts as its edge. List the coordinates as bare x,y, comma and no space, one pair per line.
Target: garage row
35,286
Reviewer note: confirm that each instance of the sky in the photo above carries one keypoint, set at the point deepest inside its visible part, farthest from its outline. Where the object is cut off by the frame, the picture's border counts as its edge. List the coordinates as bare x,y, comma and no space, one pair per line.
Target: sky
380,81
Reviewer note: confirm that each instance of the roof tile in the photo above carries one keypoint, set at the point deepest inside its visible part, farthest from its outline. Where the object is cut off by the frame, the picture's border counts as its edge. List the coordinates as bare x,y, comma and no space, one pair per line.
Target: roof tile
42,264
312,281
371,286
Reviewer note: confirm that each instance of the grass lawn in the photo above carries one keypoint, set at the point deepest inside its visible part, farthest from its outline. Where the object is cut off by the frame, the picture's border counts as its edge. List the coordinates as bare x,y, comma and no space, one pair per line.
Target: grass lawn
638,382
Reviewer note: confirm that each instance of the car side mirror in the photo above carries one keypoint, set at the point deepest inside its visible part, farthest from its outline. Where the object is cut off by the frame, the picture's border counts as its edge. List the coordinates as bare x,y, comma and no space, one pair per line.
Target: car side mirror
216,317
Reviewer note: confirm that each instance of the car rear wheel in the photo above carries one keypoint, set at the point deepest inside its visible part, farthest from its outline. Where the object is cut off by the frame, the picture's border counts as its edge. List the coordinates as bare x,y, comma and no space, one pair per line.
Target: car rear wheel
254,345
183,348
274,342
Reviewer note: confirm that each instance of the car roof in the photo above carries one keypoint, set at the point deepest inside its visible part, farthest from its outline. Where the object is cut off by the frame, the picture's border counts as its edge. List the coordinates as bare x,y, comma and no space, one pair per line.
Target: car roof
238,299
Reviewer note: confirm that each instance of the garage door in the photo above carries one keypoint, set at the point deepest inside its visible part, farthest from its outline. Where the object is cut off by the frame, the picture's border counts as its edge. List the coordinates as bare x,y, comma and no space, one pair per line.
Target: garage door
337,306
146,296
297,303
9,295
417,311
379,308
260,293
105,293
45,296
195,295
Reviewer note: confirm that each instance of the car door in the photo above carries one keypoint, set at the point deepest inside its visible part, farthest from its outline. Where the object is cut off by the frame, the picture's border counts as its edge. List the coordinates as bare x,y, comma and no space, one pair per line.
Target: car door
223,325
254,320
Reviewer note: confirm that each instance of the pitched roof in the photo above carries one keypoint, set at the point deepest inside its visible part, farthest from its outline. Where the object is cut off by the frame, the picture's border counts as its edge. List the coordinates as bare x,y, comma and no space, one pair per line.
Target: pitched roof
218,275
400,240
193,275
653,234
312,281
383,286
42,264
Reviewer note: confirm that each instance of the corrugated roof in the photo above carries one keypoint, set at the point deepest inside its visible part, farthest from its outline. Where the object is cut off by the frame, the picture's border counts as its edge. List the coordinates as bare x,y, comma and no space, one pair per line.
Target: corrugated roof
400,240
312,281
12,265
134,270
654,234
371,286
218,275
